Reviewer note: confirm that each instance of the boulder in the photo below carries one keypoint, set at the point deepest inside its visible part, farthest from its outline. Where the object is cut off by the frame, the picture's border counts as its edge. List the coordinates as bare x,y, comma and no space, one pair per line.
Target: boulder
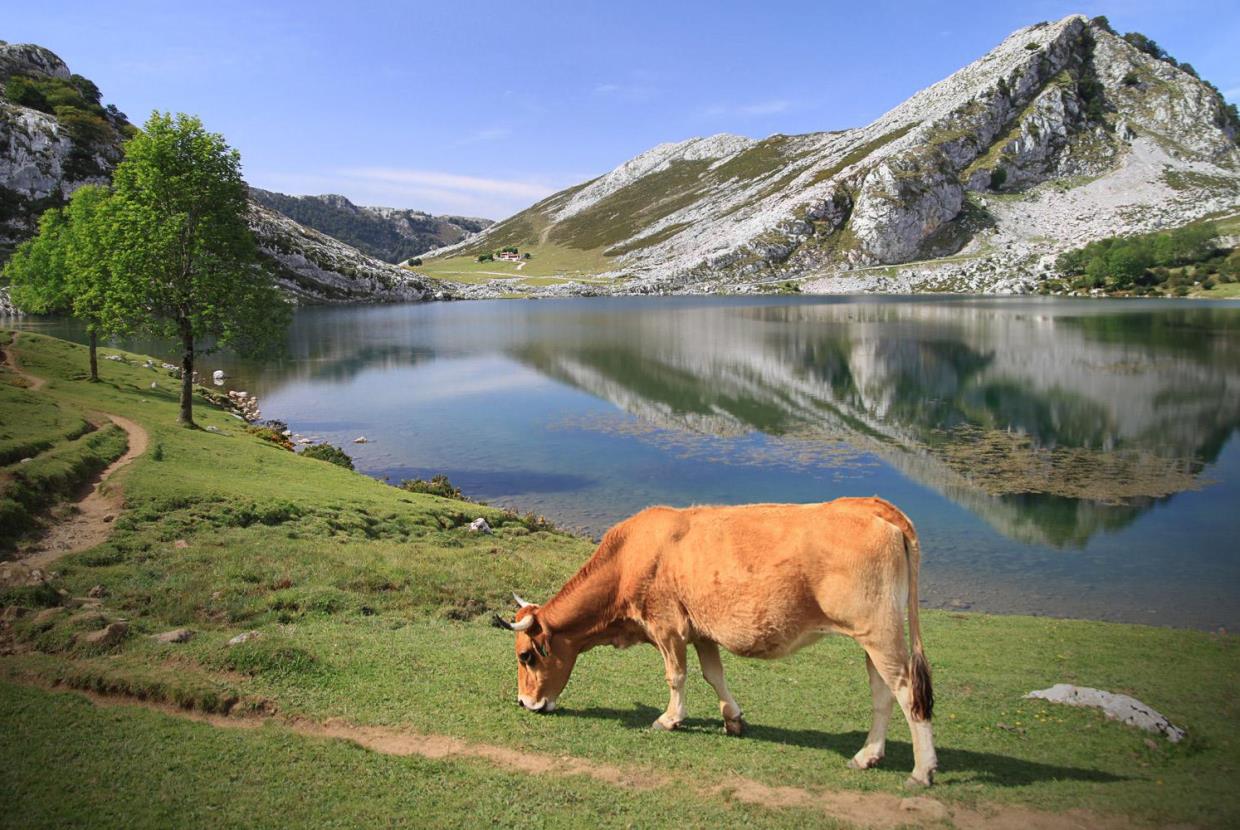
177,635
1116,707
47,615
479,525
244,637
108,636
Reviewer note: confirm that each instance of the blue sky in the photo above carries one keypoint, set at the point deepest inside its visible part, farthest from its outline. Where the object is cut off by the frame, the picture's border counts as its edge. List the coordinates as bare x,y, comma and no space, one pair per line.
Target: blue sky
482,108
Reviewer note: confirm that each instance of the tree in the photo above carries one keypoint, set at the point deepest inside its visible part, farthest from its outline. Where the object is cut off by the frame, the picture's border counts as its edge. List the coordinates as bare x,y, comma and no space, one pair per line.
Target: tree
64,268
182,254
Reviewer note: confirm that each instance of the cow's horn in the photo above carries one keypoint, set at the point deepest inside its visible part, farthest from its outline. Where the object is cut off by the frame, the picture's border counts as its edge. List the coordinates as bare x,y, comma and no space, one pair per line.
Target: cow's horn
522,624
520,601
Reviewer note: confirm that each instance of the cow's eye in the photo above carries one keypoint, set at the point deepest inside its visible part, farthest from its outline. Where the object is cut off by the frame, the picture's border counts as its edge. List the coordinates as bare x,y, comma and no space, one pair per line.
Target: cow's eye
526,657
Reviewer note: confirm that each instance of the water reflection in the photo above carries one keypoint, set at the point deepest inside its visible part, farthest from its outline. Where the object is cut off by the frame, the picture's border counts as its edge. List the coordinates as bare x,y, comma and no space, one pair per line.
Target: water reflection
1052,421
1067,457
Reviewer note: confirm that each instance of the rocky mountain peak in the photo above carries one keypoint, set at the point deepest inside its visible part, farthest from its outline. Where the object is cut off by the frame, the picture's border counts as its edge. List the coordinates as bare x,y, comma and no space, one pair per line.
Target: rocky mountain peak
977,166
29,59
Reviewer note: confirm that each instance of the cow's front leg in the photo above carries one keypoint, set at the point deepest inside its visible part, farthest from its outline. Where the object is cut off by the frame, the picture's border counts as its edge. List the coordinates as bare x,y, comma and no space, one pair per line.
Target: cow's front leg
673,650
712,670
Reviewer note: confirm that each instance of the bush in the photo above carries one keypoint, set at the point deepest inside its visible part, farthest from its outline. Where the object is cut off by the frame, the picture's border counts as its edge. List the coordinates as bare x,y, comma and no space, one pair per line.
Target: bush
997,177
275,436
416,261
439,485
331,454
1131,79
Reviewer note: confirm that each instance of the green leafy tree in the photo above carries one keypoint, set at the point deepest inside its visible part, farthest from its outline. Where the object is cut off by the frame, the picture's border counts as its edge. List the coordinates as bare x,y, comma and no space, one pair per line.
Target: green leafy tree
64,268
184,258
1128,262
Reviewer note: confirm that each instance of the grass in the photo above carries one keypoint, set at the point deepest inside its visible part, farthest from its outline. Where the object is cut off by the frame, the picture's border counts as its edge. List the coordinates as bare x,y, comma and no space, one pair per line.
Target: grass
372,602
127,767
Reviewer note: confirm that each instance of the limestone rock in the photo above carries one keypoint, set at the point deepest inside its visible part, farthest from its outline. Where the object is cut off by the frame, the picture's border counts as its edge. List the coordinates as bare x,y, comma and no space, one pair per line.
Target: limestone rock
479,525
177,635
244,637
108,636
1123,708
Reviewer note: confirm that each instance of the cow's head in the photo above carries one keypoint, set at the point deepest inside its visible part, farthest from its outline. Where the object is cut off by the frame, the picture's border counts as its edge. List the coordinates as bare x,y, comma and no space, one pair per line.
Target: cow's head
544,661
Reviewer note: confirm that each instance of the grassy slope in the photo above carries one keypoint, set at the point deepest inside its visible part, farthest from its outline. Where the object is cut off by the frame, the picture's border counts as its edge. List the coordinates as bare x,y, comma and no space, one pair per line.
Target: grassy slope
372,602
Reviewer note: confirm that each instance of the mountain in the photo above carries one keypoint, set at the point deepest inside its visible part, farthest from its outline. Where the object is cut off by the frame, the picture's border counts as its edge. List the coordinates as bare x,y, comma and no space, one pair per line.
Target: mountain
390,234
1063,133
56,136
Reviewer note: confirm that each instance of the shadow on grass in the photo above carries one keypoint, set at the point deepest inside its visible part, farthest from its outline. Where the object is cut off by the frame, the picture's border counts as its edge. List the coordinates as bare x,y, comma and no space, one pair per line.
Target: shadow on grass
979,767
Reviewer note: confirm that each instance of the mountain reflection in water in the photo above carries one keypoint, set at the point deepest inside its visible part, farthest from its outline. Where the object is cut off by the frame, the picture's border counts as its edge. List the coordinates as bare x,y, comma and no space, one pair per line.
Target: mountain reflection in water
1067,457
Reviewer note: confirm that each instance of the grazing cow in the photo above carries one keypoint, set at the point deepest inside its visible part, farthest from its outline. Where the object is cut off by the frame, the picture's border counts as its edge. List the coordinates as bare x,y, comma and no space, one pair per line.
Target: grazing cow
760,580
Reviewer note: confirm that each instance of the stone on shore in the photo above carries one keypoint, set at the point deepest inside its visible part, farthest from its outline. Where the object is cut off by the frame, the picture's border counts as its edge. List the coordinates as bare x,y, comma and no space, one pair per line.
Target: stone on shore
1123,708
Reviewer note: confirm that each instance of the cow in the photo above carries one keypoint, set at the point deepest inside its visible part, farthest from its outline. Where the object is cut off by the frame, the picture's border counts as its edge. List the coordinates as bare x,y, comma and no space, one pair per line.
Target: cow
760,580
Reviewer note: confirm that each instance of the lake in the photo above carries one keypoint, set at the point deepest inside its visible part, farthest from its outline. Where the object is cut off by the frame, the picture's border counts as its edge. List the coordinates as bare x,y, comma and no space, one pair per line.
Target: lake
1063,457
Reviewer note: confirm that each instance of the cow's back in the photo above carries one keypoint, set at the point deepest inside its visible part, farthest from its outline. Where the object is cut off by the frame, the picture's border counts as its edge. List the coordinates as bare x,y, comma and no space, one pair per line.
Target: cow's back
762,580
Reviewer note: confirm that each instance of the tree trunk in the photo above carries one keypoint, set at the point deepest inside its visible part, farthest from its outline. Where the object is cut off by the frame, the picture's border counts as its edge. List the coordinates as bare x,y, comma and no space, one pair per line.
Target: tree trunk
94,355
186,418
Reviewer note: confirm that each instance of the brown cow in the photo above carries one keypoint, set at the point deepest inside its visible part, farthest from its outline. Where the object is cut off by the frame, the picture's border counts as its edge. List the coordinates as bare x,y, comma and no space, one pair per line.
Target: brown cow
760,580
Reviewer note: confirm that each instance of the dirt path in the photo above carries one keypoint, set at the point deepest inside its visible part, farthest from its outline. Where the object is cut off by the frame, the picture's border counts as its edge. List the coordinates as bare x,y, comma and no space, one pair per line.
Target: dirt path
875,810
10,360
91,520
90,523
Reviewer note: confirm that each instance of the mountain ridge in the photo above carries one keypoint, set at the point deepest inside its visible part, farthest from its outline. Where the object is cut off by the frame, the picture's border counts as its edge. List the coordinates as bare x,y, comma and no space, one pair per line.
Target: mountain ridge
1060,105
389,234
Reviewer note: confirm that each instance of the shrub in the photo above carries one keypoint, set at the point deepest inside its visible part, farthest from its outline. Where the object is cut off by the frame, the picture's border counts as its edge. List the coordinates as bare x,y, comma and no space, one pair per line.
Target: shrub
997,177
329,453
416,261
1131,79
439,485
273,436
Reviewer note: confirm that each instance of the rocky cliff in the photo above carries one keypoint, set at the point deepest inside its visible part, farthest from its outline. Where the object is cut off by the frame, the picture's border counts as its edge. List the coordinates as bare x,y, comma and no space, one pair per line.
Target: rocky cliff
1063,133
55,136
390,234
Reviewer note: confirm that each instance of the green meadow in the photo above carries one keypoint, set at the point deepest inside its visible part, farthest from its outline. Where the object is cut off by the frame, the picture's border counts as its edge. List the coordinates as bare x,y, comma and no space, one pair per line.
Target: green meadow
373,605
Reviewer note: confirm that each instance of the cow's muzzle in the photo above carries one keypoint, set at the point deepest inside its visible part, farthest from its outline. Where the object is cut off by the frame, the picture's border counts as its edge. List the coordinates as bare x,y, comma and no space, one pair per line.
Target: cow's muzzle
542,707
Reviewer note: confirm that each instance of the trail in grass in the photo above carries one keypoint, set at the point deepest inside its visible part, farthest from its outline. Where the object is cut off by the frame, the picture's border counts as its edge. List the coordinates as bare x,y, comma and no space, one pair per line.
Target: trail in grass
10,360
89,523
877,810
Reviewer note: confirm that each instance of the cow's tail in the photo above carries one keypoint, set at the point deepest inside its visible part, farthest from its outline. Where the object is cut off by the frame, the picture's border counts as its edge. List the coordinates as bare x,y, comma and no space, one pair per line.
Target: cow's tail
919,667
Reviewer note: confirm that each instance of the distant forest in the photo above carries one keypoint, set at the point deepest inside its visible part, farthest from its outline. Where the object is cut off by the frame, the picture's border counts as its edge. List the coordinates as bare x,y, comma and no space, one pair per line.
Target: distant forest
387,234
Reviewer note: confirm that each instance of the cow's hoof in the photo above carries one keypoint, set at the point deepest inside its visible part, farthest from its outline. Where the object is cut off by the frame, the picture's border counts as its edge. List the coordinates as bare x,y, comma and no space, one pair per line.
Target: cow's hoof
915,783
734,727
857,762
662,726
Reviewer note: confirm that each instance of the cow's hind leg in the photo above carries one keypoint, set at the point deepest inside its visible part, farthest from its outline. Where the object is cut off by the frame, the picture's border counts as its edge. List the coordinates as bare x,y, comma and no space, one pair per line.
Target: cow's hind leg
876,742
891,660
712,670
673,650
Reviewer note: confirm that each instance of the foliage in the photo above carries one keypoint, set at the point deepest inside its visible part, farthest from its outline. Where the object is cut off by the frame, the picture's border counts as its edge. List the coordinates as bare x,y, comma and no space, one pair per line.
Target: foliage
272,435
181,248
1146,261
486,257
65,267
329,453
416,261
997,177
439,485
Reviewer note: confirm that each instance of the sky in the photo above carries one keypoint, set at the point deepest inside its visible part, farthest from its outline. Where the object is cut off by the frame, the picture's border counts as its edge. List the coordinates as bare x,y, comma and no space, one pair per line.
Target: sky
482,108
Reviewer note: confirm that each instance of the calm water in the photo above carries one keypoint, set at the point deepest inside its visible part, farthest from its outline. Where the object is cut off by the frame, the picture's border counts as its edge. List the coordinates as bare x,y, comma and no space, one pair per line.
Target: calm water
1058,457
